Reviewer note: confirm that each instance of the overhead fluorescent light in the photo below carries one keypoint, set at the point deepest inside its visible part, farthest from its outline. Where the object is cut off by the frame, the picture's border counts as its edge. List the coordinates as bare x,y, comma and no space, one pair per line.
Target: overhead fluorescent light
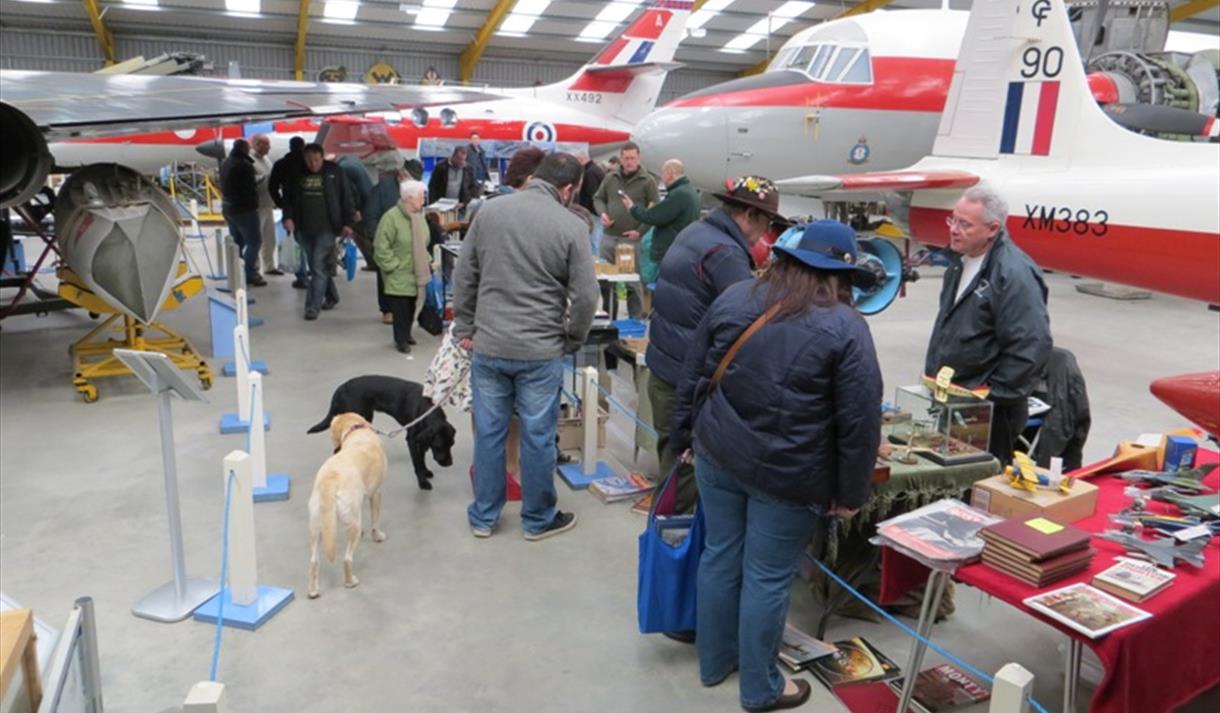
608,19
340,9
710,9
525,13
434,14
760,30
244,7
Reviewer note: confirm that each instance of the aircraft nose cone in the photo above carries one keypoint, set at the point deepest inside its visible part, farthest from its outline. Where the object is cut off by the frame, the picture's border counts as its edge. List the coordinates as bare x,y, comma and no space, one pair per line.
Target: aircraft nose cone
212,149
1195,396
696,135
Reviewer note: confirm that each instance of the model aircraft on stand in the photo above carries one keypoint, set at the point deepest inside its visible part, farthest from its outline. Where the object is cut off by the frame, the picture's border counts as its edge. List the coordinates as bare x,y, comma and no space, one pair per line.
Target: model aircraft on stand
1164,551
116,234
1184,479
598,106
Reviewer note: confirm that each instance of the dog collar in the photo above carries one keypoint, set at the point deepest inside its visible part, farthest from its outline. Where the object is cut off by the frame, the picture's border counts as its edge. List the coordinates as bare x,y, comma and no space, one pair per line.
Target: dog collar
350,431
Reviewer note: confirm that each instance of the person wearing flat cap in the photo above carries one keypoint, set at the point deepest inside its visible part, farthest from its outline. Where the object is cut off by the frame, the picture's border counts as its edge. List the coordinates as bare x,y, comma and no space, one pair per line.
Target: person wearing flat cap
780,401
706,258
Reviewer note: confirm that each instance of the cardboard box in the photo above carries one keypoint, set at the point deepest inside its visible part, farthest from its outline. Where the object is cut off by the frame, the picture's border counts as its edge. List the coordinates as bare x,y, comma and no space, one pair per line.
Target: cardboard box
997,497
624,257
604,268
572,434
1180,452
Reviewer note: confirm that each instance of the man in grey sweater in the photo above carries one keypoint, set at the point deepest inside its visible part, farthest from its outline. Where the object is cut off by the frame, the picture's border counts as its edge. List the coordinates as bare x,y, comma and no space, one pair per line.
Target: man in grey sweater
524,295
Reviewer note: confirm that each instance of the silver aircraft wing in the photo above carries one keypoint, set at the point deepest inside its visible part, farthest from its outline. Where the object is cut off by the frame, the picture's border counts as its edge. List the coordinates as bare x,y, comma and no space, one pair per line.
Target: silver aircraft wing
71,104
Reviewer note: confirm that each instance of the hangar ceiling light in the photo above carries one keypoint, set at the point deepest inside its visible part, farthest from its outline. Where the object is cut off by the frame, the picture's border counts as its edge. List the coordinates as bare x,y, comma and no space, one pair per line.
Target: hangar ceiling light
434,14
525,13
244,7
608,19
140,3
764,27
341,10
710,9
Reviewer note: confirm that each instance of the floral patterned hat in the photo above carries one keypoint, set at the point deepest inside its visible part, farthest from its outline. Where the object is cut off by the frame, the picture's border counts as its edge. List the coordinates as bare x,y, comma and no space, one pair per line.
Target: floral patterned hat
754,192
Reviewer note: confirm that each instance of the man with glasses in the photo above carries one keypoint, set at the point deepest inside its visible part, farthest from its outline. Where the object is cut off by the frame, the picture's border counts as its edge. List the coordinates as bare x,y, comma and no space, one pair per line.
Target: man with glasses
992,328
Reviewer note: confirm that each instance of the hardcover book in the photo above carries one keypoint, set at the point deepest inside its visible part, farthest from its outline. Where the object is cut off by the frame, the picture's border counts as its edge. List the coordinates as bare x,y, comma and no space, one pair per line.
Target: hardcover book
798,649
1086,609
1036,537
853,661
1133,580
943,688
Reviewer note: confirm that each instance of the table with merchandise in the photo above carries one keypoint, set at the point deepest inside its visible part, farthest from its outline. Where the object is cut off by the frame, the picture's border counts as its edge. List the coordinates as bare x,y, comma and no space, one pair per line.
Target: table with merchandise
1151,664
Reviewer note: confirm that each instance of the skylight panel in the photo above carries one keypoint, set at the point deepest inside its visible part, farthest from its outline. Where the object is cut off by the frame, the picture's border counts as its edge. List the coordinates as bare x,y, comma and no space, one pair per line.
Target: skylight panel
434,14
525,13
244,7
340,10
710,9
760,30
608,19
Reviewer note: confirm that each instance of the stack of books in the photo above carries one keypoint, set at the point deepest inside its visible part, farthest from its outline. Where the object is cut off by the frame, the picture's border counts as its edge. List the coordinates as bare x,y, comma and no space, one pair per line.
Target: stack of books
620,487
798,649
1133,580
1036,550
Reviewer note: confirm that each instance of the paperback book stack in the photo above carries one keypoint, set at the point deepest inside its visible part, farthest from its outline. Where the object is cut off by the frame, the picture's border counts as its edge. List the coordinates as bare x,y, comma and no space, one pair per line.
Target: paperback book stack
1035,550
620,487
1133,580
798,649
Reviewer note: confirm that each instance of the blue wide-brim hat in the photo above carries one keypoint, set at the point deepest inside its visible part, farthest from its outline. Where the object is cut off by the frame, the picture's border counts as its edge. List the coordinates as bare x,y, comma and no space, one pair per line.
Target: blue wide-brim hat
829,245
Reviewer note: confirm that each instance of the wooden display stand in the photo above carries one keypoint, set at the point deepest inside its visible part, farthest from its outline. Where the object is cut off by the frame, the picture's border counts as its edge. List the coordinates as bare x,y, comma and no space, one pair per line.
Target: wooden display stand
19,647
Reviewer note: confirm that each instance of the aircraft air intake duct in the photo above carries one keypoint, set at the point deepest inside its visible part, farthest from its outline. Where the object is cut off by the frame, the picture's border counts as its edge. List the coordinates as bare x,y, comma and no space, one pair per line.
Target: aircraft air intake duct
26,161
877,255
119,233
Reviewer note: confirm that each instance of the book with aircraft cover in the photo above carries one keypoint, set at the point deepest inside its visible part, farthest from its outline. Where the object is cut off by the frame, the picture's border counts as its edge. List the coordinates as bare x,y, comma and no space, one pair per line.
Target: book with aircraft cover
1133,580
1086,609
943,688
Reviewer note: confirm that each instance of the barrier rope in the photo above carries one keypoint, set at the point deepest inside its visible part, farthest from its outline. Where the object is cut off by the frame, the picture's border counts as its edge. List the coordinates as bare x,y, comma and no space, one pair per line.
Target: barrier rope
617,404
990,680
224,578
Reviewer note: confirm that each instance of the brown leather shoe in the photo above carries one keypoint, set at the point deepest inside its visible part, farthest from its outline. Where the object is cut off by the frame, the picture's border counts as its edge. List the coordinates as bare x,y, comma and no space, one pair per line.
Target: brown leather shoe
784,702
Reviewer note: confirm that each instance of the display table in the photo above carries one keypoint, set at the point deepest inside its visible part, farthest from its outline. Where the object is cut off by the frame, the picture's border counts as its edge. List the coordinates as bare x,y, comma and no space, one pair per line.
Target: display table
19,651
853,557
1152,666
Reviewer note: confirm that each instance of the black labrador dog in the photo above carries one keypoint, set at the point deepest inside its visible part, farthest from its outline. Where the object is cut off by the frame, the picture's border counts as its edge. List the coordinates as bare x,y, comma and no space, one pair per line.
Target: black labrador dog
403,401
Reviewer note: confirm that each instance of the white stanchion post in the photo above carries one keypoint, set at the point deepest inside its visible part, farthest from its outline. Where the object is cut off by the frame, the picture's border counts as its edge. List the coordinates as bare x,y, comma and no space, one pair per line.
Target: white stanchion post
258,440
193,207
1012,687
243,309
588,454
241,355
243,563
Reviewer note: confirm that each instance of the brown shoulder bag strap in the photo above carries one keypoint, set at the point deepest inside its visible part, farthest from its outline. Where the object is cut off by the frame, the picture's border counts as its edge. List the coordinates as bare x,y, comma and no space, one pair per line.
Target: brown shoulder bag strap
741,341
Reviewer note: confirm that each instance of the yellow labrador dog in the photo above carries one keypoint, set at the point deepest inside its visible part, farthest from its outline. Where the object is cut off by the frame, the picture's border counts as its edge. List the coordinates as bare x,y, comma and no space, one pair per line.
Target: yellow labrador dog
356,470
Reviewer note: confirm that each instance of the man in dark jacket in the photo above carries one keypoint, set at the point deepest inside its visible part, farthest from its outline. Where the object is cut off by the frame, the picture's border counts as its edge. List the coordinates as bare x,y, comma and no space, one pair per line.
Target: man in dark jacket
319,205
620,228
239,189
453,178
283,174
993,328
678,209
705,259
594,175
477,157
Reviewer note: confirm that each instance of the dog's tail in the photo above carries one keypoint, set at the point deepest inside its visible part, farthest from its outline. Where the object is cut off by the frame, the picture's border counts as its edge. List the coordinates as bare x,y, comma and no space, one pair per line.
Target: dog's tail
321,425
326,511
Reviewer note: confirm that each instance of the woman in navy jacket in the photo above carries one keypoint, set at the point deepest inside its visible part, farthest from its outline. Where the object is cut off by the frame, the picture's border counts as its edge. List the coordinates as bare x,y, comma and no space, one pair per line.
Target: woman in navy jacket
790,432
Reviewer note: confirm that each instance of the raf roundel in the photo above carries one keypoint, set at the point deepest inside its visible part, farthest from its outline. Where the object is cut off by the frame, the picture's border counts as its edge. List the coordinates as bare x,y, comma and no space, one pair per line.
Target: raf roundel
539,131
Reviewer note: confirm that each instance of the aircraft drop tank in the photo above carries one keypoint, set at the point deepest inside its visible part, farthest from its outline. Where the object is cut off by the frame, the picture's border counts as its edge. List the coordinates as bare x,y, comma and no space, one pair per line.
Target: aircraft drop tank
118,232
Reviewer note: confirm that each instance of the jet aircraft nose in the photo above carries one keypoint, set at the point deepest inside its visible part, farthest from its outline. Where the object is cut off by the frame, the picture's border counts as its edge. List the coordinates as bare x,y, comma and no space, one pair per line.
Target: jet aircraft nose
697,136
212,149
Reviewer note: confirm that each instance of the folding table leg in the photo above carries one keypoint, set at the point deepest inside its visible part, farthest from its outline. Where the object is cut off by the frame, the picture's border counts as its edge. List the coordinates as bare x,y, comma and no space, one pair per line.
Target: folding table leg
1071,673
927,616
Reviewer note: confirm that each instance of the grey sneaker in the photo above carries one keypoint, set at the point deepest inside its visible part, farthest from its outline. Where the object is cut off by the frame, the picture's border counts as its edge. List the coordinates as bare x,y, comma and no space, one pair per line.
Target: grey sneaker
480,532
563,522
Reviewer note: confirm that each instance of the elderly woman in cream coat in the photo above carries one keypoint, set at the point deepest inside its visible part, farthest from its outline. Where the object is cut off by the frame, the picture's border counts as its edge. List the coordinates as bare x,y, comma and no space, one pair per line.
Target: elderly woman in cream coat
401,250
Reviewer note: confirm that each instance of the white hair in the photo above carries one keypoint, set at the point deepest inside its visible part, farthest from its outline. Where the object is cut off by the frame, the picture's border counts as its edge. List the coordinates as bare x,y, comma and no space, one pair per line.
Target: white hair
995,208
411,188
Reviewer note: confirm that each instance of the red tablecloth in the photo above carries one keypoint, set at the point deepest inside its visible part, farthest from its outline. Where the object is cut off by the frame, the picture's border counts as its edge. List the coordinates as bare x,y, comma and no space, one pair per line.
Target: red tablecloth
1153,666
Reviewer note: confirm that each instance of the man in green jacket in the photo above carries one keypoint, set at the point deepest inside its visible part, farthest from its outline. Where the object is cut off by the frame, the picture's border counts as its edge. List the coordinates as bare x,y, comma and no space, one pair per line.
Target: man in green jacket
634,182
401,251
667,218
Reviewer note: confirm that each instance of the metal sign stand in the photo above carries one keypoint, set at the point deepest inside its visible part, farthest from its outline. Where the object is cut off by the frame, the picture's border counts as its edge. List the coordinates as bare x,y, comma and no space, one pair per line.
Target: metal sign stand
173,601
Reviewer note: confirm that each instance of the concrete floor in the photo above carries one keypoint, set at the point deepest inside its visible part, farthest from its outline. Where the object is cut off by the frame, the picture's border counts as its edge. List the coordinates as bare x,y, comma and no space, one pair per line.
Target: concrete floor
440,621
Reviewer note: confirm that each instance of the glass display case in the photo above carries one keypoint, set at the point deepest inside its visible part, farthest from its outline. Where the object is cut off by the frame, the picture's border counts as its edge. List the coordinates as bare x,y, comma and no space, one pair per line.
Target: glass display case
955,431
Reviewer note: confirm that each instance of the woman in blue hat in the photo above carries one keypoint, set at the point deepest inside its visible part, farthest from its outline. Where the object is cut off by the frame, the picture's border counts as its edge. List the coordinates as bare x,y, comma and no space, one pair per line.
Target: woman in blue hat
780,404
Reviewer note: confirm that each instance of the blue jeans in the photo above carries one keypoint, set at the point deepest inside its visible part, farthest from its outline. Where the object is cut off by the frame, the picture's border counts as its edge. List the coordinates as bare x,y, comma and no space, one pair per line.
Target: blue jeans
749,559
533,387
320,250
247,231
302,271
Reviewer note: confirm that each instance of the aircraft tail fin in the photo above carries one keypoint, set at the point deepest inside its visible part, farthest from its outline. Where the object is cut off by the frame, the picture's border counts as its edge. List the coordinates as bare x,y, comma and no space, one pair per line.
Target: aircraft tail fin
624,80
1019,88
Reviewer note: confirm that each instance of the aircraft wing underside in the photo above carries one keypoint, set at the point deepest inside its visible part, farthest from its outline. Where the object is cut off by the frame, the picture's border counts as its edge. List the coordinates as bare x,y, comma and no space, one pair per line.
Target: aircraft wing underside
877,182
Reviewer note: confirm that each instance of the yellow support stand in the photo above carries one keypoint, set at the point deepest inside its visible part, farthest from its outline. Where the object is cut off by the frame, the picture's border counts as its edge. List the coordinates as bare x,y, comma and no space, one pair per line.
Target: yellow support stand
93,354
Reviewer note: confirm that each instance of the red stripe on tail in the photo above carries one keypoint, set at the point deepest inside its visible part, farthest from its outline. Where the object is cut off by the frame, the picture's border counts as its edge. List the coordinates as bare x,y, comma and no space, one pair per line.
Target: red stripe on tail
650,25
1044,126
607,56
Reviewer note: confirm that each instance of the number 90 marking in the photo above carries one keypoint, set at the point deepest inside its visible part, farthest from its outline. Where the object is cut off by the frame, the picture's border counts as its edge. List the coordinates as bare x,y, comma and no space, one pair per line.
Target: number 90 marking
1037,62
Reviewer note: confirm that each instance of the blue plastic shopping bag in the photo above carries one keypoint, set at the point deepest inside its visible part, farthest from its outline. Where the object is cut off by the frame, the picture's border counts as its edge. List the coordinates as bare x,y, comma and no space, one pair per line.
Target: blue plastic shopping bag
670,548
349,259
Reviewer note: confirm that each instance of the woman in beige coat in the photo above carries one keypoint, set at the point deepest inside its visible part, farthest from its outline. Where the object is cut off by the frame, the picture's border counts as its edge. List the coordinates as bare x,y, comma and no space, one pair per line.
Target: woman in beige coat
401,250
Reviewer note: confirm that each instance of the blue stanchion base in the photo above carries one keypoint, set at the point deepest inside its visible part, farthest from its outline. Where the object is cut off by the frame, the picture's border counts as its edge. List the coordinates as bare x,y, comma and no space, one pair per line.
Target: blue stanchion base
218,277
226,290
574,475
250,617
230,367
278,488
255,321
230,423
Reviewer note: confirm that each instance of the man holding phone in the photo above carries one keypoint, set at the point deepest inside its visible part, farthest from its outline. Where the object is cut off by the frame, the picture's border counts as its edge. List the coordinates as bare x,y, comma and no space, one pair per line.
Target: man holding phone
631,181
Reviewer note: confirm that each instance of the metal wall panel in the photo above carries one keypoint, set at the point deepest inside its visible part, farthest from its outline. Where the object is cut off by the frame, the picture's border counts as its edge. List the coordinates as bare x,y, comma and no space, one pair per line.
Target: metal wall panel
257,60
410,65
22,48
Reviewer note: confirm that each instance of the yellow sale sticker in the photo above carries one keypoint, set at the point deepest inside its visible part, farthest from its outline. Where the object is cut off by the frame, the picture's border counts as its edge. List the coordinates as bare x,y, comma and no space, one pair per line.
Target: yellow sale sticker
1044,526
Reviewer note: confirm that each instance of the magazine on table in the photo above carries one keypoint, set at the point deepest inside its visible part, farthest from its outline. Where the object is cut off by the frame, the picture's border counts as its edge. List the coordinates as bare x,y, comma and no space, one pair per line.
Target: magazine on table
945,531
854,661
1086,609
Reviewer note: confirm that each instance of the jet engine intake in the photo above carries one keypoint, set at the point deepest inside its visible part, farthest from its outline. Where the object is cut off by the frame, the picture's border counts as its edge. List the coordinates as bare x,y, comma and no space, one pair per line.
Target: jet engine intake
26,162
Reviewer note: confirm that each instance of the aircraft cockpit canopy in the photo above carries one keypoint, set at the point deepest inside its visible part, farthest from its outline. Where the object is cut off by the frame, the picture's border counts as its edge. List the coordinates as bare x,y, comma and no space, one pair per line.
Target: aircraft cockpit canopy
828,62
